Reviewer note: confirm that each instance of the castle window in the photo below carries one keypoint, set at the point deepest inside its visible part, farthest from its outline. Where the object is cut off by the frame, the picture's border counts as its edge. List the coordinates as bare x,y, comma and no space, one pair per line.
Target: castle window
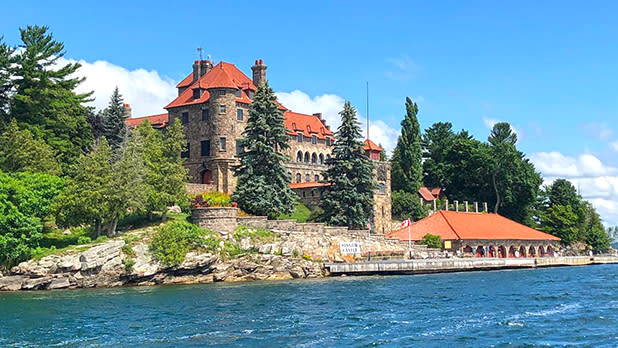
205,148
321,159
197,93
314,158
185,118
316,178
222,144
205,115
222,92
299,157
312,193
221,109
314,139
239,114
299,137
187,152
307,177
239,148
327,141
298,177
306,157
238,93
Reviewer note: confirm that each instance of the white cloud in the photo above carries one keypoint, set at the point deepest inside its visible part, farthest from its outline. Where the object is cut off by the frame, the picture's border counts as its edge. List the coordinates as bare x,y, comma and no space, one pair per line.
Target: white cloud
330,105
614,145
404,68
146,91
596,182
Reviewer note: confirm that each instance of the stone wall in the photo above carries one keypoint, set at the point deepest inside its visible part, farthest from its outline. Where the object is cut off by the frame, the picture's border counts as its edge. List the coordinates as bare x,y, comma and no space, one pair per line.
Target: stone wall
219,219
382,207
195,189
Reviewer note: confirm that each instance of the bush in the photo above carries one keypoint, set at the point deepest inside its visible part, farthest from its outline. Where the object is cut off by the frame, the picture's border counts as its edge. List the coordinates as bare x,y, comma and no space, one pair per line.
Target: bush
128,264
407,205
215,199
84,240
172,241
431,241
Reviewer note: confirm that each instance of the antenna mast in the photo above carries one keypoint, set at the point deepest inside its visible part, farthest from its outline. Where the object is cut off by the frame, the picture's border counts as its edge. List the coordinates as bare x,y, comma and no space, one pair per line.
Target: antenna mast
367,110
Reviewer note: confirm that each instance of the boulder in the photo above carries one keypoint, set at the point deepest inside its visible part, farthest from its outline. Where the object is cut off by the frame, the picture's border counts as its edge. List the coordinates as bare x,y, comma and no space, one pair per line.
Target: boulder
145,264
98,255
194,260
11,283
245,243
266,248
36,283
288,248
59,283
297,272
174,209
69,263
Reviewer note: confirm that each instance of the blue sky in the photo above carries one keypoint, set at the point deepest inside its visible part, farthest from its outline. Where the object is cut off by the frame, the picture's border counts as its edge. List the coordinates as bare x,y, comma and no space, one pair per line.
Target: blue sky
547,67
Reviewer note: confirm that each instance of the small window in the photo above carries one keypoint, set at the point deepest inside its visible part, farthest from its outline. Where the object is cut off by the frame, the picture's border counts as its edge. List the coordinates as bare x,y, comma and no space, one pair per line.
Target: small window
314,139
221,109
239,148
306,157
187,152
222,144
239,114
298,177
299,137
321,159
185,118
316,178
314,158
222,92
238,93
205,115
327,141
307,177
205,145
299,156
197,93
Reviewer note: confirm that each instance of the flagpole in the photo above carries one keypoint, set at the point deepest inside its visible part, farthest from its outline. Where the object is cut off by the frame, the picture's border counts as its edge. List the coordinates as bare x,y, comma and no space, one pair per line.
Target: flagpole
409,236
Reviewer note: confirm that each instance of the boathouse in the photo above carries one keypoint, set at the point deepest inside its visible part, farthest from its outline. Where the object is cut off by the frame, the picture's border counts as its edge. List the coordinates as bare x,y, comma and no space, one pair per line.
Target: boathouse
481,235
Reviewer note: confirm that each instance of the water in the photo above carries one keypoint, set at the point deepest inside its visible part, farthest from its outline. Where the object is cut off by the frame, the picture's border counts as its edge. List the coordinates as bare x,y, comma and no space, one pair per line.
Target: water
571,306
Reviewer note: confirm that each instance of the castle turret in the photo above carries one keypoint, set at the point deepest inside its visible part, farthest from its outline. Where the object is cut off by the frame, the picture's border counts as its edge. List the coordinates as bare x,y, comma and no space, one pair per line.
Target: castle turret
201,68
259,72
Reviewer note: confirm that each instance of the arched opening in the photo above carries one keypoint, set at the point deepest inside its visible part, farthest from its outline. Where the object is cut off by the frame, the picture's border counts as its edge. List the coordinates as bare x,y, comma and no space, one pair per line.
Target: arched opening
491,252
316,178
468,250
511,251
480,251
541,252
550,251
501,252
298,177
207,177
306,157
327,157
299,156
307,177
314,158
522,251
531,251
321,159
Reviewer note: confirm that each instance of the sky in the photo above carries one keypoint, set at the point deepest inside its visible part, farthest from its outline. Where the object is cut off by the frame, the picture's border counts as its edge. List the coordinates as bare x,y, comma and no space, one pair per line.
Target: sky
550,68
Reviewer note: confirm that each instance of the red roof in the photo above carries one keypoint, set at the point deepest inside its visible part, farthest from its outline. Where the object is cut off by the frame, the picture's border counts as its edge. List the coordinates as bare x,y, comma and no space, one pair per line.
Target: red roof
308,184
370,145
451,225
426,194
436,191
224,75
158,121
308,124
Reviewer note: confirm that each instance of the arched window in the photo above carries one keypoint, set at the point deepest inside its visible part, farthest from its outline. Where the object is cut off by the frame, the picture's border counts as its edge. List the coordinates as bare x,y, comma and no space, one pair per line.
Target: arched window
299,156
316,178
327,157
298,177
314,158
306,157
321,159
307,177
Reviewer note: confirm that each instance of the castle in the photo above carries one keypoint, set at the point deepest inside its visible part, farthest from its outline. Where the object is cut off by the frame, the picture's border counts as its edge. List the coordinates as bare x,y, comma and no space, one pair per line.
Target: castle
213,105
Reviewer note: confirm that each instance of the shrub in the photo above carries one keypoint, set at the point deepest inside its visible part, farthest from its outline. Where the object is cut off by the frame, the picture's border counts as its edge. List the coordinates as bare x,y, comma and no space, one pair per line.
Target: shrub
171,242
127,249
216,199
256,234
128,264
301,214
431,241
83,240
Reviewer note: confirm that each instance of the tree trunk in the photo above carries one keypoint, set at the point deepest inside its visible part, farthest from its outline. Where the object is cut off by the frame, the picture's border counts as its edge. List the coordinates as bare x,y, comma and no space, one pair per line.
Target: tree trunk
111,230
493,177
97,228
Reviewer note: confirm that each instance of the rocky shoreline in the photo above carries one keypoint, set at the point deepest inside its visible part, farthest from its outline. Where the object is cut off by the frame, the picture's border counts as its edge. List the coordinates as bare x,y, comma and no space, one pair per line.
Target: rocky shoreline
103,266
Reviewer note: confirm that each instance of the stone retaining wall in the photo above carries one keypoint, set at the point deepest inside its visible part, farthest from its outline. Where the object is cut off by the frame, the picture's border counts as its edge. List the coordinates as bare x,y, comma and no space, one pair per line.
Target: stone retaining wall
218,219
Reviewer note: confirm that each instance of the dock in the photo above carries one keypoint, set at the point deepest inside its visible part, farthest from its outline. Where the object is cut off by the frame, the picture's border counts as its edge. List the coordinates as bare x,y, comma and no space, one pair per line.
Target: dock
461,264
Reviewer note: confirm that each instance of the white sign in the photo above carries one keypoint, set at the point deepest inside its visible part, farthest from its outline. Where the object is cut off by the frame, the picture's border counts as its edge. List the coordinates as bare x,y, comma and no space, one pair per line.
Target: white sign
349,247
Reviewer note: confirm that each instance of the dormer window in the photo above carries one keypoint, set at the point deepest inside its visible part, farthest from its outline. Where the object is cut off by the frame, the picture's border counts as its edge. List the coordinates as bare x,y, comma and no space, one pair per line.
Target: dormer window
197,93
327,141
314,139
238,93
222,92
299,137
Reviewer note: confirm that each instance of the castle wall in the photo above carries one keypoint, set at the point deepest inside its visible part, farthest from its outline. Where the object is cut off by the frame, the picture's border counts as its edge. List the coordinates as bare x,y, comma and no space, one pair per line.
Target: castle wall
382,198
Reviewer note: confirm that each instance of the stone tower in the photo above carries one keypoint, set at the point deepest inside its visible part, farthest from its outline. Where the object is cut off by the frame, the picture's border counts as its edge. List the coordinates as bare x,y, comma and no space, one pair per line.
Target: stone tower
382,207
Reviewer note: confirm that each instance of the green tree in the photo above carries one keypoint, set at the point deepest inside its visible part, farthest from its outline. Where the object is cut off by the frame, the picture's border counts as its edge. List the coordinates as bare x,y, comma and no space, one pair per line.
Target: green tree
114,117
22,153
45,102
436,142
6,59
431,241
407,167
407,205
348,200
263,182
383,156
561,221
86,197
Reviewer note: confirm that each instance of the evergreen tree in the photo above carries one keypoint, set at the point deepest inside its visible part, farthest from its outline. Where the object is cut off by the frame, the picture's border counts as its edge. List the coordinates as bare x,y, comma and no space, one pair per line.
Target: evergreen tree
114,117
436,142
348,200
407,167
22,153
44,101
6,59
263,183
95,119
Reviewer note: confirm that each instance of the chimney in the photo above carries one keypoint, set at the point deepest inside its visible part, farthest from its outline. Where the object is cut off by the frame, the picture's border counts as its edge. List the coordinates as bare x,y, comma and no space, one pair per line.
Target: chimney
259,72
201,68
319,115
127,110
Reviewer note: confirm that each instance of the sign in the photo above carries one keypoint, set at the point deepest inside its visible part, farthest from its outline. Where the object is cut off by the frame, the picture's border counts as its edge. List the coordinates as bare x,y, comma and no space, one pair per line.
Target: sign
447,244
349,248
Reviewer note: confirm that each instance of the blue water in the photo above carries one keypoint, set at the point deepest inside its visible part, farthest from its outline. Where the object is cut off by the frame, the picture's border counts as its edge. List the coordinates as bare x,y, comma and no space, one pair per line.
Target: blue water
571,306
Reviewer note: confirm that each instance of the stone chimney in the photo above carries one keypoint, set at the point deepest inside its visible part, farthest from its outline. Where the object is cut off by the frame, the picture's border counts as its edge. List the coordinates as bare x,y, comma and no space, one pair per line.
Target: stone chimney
201,68
259,72
127,110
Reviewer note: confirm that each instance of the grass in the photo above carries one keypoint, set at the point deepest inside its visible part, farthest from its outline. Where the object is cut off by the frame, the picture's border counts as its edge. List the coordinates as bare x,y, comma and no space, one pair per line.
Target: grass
301,214
256,234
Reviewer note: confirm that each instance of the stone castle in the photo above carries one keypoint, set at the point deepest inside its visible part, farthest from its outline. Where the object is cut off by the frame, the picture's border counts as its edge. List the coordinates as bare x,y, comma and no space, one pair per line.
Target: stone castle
213,105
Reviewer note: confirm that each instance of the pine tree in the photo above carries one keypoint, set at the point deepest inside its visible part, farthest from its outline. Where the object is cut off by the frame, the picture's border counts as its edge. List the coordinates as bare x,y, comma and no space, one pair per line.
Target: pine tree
22,153
407,167
263,183
6,59
348,200
44,101
114,117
